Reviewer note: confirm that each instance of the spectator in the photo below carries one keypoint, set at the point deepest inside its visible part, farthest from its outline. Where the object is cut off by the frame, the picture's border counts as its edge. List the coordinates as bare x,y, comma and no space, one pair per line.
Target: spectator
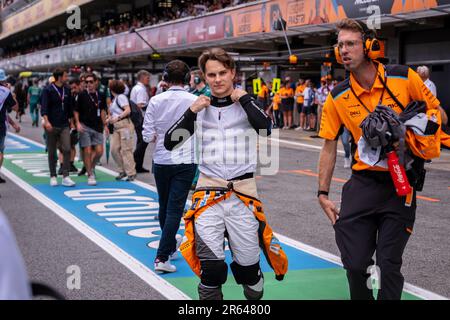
287,104
424,74
121,23
75,89
123,137
307,106
276,102
173,175
57,110
139,96
322,94
21,93
7,104
34,92
197,84
90,116
300,100
263,96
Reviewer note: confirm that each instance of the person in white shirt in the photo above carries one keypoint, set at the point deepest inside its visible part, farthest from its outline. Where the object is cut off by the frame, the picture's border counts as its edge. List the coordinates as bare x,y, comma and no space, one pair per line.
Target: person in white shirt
424,74
308,95
173,171
139,95
323,92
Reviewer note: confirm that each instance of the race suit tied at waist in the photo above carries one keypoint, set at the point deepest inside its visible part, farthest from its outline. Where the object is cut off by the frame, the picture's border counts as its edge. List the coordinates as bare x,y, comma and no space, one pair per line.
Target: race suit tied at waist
246,186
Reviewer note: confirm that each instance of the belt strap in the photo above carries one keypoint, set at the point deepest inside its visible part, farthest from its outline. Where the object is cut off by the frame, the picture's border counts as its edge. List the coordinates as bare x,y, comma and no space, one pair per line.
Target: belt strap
248,175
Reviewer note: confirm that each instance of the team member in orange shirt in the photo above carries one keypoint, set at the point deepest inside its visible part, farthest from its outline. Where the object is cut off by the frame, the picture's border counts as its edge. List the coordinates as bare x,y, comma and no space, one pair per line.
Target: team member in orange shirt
276,101
287,104
300,100
373,218
263,96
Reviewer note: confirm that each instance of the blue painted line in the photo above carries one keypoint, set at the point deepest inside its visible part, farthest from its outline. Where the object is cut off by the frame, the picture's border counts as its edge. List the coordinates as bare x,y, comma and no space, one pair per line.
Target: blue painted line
139,239
138,247
15,144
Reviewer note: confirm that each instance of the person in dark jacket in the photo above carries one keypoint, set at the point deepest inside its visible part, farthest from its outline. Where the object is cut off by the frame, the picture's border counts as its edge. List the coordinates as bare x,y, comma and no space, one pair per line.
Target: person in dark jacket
56,110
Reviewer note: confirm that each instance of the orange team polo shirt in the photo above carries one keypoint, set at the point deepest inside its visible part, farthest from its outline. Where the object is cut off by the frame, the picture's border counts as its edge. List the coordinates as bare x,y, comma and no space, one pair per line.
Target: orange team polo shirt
341,107
300,89
276,101
286,92
263,92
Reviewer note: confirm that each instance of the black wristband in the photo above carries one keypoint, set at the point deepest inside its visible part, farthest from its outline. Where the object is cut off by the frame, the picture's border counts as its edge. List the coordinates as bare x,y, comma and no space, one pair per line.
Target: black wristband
322,192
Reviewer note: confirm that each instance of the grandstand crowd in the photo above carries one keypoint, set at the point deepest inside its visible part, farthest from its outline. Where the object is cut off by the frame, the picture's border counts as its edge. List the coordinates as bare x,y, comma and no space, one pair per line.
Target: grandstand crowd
113,23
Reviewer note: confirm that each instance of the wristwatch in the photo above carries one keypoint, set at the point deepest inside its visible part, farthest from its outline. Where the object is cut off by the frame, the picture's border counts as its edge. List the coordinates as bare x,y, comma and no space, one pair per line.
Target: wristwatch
322,192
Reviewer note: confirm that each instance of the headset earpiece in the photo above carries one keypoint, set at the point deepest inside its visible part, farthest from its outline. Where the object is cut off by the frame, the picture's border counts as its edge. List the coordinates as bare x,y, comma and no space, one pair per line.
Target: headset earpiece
337,54
197,80
165,75
373,49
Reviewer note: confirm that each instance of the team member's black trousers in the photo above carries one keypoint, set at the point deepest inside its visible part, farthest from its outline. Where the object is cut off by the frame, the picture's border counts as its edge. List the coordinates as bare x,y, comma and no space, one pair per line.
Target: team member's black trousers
373,219
141,147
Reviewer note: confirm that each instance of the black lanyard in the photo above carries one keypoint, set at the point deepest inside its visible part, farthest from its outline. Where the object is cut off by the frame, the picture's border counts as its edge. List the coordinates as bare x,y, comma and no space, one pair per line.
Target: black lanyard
382,94
97,104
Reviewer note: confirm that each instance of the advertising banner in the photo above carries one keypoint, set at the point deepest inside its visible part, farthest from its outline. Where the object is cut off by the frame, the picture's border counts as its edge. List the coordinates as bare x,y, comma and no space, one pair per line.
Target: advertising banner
151,36
245,21
173,35
125,43
38,12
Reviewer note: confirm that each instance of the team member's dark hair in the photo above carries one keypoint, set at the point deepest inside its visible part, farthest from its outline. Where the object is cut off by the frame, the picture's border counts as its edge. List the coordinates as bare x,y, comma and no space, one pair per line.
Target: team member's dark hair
58,73
355,26
90,75
176,71
74,81
117,86
217,54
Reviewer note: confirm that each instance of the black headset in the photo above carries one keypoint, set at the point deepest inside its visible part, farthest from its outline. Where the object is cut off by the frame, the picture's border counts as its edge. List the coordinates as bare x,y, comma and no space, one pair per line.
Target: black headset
197,73
187,72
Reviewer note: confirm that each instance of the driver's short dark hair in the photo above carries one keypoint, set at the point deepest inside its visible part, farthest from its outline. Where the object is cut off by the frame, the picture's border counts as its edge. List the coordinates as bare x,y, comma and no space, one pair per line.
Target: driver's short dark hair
217,54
